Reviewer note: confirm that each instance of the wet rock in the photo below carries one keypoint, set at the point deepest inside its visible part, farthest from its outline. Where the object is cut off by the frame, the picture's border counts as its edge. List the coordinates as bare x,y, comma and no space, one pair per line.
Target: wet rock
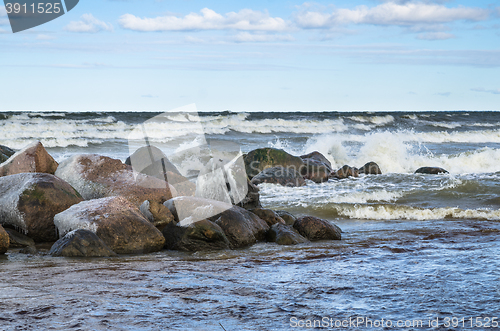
30,250
157,214
152,162
268,215
345,172
4,240
371,168
314,228
32,158
19,240
287,217
116,221
279,175
29,201
252,199
284,235
317,156
5,153
81,243
203,235
241,227
316,167
96,176
262,158
431,170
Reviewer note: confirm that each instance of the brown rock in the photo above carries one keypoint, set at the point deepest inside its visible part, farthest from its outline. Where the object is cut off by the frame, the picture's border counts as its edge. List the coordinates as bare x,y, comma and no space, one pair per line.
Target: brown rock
315,170
279,175
199,236
81,243
4,240
157,214
287,217
268,215
371,168
345,172
29,201
116,221
317,156
19,240
314,228
5,153
431,171
284,235
32,158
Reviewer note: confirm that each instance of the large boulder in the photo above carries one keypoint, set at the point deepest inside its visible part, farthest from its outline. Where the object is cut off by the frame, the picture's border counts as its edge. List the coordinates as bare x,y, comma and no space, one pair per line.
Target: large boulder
156,213
81,243
241,227
370,168
286,216
32,158
268,215
116,221
262,158
314,228
29,201
279,175
150,160
431,171
317,156
19,240
4,240
316,167
199,236
284,235
5,153
96,176
345,172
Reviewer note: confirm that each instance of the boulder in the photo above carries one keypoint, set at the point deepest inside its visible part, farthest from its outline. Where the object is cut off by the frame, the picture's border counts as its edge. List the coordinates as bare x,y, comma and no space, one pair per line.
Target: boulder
199,236
32,158
81,243
262,158
279,175
317,156
345,172
241,227
29,201
315,170
284,235
5,153
252,199
287,217
96,176
431,170
19,240
116,221
4,240
156,213
314,228
371,168
268,215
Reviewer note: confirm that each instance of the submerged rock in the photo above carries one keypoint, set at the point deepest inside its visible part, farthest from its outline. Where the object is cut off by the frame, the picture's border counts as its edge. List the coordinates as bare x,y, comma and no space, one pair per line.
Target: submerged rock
316,167
116,221
286,216
268,215
81,243
279,175
5,153
345,172
370,168
96,176
199,236
19,240
284,235
314,228
431,170
32,158
29,201
262,158
4,240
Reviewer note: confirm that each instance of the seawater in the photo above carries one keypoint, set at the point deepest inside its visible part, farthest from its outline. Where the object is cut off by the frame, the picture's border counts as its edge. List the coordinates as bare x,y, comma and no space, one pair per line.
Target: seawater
414,247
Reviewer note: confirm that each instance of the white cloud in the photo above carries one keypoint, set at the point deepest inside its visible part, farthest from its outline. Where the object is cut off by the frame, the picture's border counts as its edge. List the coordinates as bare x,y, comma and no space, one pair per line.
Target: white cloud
435,36
246,19
252,37
89,24
480,89
390,13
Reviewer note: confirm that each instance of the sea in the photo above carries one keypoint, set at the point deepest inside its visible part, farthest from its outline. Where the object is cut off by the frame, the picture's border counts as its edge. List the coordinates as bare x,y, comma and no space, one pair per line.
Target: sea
418,252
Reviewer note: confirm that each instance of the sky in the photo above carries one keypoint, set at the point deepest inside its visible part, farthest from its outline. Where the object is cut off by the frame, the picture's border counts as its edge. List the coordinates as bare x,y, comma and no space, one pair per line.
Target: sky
260,55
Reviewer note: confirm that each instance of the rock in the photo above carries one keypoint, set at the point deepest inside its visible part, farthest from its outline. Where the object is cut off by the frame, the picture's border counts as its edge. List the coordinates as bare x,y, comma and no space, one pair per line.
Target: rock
81,243
287,217
4,240
241,227
279,175
315,170
268,215
30,250
157,214
345,172
29,201
314,228
152,162
18,240
262,158
284,235
116,221
317,156
32,158
96,176
199,236
371,168
431,170
5,153
252,199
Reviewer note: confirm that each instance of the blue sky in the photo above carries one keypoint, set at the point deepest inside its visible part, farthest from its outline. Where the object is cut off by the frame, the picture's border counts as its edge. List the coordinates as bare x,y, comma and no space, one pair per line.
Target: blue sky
256,55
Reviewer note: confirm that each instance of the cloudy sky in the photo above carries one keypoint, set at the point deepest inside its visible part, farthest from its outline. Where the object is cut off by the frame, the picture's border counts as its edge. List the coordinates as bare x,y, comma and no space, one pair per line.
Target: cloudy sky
256,55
